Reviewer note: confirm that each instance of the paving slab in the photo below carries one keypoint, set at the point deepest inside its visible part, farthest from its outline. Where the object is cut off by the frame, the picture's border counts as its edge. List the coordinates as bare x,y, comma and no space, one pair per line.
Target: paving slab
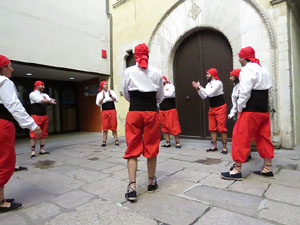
281,213
190,175
162,207
250,187
237,202
217,216
14,220
174,186
73,199
42,211
284,194
213,180
88,176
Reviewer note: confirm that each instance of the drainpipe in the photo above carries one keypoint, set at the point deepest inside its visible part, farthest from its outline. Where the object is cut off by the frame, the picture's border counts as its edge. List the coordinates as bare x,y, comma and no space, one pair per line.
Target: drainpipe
109,15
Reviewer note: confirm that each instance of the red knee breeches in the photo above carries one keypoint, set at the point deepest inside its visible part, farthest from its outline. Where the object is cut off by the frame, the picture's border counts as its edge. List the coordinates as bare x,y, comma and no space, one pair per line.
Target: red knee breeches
42,122
109,120
169,121
217,118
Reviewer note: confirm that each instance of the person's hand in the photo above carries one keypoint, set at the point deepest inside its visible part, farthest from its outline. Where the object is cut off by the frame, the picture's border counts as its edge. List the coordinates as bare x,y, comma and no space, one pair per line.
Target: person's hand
53,101
103,94
238,115
38,132
196,85
109,94
230,116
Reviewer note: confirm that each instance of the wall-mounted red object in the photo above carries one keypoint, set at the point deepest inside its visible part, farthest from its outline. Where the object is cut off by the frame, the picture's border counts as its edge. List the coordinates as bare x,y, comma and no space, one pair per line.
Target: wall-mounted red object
104,55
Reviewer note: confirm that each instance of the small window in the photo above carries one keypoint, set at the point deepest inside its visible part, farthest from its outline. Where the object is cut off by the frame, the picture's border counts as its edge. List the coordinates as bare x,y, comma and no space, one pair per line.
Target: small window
130,60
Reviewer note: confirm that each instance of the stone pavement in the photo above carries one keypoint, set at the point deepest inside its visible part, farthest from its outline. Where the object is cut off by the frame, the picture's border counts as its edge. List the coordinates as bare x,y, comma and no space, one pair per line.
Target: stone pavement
82,183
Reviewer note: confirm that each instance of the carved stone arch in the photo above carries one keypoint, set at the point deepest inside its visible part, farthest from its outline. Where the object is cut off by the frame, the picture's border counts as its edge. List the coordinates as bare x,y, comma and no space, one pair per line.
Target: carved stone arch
186,16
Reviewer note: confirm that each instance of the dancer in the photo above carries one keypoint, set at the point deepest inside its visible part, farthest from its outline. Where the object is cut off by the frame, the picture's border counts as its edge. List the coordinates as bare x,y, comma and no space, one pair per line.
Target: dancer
168,114
254,120
38,101
217,108
143,88
10,109
107,99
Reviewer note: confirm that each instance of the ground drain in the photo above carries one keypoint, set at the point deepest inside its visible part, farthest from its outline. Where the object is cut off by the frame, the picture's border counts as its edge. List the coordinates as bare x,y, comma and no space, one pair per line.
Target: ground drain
209,161
44,164
94,158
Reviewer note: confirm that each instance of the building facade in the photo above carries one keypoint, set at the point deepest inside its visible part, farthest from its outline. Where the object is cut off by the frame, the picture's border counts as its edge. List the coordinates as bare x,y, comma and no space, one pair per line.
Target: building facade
186,37
66,45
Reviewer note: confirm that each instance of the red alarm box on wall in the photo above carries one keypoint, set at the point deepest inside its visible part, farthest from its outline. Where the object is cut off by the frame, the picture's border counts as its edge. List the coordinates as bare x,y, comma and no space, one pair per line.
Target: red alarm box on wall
104,55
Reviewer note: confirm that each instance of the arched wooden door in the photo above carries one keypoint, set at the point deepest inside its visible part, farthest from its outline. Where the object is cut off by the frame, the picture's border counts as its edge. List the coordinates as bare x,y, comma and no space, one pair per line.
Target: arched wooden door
200,51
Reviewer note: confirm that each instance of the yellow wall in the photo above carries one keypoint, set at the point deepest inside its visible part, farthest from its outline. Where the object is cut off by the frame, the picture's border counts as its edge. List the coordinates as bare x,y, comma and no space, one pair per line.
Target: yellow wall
133,22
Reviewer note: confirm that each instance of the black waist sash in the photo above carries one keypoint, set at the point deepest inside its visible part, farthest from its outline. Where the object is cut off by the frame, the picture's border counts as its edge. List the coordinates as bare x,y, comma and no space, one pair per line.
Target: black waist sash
38,109
142,101
5,114
167,104
258,102
216,101
108,106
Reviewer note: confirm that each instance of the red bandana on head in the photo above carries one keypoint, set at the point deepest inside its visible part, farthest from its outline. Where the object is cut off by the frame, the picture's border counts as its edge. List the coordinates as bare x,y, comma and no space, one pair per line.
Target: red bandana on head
248,53
37,83
235,72
101,85
4,61
165,78
213,72
141,52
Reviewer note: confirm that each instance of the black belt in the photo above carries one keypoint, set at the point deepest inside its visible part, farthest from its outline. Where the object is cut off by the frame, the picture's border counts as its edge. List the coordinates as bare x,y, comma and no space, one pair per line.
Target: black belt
38,109
142,101
167,104
216,101
258,102
5,114
108,106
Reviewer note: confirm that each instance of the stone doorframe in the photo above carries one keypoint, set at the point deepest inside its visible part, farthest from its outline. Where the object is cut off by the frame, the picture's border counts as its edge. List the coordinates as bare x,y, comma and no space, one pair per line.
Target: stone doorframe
245,23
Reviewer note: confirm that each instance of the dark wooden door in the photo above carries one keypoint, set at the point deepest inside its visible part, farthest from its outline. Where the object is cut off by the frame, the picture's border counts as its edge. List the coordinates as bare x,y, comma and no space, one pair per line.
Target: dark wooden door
197,53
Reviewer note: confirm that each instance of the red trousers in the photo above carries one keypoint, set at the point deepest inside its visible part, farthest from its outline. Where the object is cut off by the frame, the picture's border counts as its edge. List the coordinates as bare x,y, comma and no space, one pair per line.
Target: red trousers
252,126
169,121
217,118
42,122
7,151
142,132
109,120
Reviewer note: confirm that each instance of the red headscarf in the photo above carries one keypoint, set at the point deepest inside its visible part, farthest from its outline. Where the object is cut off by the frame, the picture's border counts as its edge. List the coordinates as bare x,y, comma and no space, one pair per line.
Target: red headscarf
4,61
101,85
141,52
37,83
248,53
235,72
165,78
213,72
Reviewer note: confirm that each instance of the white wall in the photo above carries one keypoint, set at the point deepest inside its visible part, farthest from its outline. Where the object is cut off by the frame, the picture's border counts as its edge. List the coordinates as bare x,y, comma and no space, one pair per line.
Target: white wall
295,57
61,33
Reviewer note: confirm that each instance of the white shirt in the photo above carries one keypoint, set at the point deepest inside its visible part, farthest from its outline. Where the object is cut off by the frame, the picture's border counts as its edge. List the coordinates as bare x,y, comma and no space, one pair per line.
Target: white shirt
252,77
212,89
9,98
143,80
107,98
169,90
234,98
37,97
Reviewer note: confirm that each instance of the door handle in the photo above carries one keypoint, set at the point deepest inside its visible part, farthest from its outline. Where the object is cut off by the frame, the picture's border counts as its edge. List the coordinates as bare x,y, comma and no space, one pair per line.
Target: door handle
187,97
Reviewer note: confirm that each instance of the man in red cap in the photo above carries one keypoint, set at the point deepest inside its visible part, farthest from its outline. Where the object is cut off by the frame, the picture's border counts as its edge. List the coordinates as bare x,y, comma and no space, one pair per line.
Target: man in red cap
107,99
143,89
38,101
168,114
254,120
234,77
10,109
217,108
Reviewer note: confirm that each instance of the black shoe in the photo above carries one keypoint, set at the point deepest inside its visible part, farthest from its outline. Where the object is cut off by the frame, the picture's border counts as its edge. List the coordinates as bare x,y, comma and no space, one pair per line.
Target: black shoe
21,168
33,156
13,206
224,152
178,145
103,144
228,176
268,174
212,149
131,193
166,145
152,187
117,143
10,200
44,153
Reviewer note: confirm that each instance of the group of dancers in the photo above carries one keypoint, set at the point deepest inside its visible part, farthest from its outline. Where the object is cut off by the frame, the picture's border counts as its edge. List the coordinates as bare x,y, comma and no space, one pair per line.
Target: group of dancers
145,88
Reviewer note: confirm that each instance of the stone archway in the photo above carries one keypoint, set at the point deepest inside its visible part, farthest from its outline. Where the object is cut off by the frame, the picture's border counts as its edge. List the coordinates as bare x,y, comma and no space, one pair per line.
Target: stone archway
243,23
